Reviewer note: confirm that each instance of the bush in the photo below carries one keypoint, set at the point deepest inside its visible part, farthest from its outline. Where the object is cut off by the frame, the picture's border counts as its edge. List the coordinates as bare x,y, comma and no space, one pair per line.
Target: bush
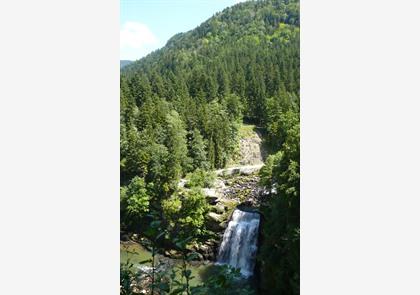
134,201
185,212
200,178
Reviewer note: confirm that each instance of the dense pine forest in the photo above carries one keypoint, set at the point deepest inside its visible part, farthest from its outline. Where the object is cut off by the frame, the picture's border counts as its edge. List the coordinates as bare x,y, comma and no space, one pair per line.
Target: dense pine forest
182,111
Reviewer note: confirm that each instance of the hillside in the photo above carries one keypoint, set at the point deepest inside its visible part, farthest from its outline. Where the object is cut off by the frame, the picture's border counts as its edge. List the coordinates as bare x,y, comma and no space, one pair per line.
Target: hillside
208,100
233,64
250,49
124,63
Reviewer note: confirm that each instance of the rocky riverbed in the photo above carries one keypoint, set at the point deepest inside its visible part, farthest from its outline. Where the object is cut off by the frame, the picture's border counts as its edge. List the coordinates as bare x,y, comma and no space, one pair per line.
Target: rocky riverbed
236,185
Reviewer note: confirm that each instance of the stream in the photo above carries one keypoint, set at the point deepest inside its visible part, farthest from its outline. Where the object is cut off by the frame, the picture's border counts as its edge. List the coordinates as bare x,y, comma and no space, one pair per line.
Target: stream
137,253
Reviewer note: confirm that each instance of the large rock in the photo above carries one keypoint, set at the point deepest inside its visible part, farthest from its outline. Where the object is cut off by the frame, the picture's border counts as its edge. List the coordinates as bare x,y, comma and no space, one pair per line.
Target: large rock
240,170
215,217
206,252
224,224
211,195
248,170
219,208
182,183
219,185
214,220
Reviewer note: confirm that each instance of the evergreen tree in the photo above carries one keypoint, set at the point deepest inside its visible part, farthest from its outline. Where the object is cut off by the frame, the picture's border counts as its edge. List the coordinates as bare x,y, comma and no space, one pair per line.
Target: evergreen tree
176,143
140,88
198,151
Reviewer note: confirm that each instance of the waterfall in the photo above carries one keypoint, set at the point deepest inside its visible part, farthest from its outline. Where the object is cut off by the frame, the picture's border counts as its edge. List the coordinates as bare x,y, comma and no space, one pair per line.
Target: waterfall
239,245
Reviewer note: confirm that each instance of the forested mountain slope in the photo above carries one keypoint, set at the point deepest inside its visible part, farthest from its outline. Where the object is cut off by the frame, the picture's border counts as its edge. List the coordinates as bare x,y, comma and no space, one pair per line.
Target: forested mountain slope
181,110
251,50
124,63
234,63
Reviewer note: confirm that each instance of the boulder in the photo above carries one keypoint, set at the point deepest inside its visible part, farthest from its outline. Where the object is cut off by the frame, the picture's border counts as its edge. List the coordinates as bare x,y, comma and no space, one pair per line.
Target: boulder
215,217
219,184
240,170
248,170
224,224
219,208
182,183
173,254
211,195
214,220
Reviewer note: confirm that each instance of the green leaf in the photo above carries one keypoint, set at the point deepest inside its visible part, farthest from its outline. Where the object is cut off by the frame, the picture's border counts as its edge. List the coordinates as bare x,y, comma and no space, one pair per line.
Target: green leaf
178,291
192,256
160,235
163,287
186,273
155,224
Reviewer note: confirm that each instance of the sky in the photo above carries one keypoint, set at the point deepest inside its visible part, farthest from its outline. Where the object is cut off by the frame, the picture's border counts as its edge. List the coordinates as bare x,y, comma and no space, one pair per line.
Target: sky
146,25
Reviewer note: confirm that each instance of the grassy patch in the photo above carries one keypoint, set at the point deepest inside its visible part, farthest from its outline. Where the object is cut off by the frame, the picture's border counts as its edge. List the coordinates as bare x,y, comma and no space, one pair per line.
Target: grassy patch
246,131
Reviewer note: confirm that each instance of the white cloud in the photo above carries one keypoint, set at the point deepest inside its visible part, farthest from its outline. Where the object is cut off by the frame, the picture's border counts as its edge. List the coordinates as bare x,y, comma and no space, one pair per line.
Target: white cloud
237,1
136,35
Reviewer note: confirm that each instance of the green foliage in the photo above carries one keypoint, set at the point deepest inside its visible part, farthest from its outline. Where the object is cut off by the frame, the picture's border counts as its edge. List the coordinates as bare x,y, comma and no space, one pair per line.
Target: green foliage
134,200
200,178
157,167
279,254
185,213
234,107
136,196
176,142
222,281
266,172
222,134
212,76
180,111
127,278
197,151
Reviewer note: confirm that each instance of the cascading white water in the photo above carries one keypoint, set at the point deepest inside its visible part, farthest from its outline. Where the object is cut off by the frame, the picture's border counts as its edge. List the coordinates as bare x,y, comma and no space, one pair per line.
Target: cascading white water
239,245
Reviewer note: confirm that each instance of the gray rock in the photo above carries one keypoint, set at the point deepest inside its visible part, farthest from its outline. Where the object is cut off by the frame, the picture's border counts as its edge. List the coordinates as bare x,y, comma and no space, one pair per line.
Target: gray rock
219,208
224,224
240,170
211,195
214,220
182,183
215,217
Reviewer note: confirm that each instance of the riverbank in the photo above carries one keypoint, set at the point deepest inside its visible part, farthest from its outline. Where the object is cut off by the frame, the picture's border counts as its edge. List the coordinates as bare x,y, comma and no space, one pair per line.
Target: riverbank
136,253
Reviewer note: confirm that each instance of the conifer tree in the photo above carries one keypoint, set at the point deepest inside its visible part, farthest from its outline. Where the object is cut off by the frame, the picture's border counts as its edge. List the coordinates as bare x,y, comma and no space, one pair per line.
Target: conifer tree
176,143
198,151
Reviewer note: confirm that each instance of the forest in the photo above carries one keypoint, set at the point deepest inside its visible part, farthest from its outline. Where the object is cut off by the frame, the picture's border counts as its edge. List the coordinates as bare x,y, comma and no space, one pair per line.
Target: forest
183,112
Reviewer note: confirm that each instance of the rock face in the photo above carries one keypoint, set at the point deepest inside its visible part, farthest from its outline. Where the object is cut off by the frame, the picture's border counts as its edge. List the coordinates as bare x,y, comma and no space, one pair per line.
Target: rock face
250,149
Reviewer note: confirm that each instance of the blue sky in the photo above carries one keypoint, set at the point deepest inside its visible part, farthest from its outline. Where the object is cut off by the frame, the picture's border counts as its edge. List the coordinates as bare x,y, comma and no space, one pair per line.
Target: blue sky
146,25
